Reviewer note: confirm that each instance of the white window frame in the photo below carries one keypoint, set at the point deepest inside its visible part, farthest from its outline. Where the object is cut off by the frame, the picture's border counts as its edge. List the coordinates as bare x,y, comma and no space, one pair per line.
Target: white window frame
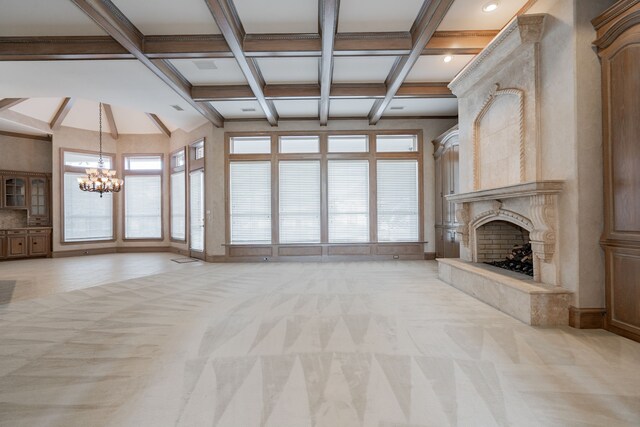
143,172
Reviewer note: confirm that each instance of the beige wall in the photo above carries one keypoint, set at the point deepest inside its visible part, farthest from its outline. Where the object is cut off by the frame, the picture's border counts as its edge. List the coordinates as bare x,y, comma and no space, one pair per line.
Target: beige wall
571,128
71,138
21,154
215,177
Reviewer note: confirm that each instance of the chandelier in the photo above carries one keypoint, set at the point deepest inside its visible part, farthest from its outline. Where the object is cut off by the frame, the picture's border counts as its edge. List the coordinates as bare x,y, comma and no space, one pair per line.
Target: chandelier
100,180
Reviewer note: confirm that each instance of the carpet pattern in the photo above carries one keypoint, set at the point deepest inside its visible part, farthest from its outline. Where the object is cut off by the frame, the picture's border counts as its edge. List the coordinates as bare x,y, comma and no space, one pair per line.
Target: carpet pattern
302,344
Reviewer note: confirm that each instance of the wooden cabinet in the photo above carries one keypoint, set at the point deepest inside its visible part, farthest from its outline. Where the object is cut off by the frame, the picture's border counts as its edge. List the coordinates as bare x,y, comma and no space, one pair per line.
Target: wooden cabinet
30,191
446,151
25,242
618,45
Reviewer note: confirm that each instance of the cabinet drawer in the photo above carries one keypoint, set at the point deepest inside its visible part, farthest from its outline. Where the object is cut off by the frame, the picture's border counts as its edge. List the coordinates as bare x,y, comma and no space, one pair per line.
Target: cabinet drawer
16,232
38,231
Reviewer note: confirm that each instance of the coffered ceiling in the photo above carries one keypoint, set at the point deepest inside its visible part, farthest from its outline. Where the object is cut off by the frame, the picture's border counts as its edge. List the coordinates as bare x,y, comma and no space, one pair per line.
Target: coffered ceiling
223,60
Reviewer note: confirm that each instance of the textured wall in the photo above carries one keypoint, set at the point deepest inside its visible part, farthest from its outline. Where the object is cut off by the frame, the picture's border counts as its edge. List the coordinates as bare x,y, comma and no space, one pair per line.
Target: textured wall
22,154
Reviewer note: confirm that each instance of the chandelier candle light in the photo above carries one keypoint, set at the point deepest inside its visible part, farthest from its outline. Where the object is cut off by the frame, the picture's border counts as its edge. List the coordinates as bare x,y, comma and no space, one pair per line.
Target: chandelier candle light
100,180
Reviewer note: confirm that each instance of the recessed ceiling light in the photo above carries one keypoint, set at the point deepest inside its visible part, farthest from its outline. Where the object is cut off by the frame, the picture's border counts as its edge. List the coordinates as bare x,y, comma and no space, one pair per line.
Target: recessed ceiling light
448,58
248,110
490,7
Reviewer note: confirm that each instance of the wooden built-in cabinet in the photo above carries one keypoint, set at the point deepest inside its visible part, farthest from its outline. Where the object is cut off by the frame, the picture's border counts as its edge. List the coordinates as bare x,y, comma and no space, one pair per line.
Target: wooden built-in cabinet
618,44
446,155
27,191
25,243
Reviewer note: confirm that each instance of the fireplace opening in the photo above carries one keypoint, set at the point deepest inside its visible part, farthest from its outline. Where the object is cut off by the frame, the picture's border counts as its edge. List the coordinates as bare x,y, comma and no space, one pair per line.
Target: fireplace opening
505,245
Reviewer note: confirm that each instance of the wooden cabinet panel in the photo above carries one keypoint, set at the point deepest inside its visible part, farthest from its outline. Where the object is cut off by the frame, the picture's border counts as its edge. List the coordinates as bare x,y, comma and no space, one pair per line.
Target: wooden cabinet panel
618,46
3,247
625,131
38,201
16,246
439,193
38,245
623,291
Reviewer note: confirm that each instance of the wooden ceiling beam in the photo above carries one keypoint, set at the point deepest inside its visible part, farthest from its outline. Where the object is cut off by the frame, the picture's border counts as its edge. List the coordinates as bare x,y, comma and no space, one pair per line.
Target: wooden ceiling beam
6,103
26,136
328,28
429,18
254,45
112,122
158,123
61,114
312,91
113,22
226,17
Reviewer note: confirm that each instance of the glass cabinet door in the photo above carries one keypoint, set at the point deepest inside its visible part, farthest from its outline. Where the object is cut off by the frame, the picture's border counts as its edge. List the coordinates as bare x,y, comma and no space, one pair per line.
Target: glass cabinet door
15,192
38,196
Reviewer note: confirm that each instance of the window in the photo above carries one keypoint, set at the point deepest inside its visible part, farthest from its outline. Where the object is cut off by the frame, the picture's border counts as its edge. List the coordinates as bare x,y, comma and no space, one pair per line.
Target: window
178,197
86,216
198,150
142,163
398,210
85,160
178,206
299,201
396,143
251,145
143,197
348,144
299,144
250,200
348,186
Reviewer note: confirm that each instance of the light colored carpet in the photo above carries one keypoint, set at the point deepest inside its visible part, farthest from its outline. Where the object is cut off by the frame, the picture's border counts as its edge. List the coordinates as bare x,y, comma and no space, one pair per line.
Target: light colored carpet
334,344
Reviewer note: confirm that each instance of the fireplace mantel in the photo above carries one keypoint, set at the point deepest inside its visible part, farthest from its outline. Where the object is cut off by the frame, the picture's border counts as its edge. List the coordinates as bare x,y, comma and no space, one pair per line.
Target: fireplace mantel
527,189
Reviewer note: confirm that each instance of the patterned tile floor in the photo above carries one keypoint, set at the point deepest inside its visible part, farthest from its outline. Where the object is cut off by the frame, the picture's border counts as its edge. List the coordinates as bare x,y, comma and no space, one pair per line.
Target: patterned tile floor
302,344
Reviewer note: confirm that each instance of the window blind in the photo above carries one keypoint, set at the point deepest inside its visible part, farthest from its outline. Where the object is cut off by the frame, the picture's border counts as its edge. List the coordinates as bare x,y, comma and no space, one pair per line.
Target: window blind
178,206
86,215
348,197
196,210
299,184
398,210
250,199
143,207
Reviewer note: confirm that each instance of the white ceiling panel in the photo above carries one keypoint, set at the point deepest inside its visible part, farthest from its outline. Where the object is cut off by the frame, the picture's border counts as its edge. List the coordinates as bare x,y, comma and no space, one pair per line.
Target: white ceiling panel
377,15
84,115
278,16
234,109
350,107
355,69
432,68
124,83
422,107
468,15
45,18
39,108
169,16
8,126
132,121
289,70
223,71
297,108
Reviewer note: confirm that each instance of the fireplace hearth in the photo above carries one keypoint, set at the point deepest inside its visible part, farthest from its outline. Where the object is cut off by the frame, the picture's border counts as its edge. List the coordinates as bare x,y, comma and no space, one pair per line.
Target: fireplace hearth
519,260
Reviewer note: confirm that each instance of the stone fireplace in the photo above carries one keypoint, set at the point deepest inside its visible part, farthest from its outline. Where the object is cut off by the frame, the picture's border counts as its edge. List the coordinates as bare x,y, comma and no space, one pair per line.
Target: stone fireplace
507,201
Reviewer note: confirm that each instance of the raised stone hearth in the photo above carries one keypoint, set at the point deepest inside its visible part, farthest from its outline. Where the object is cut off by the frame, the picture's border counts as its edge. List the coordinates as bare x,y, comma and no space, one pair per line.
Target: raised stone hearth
533,303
